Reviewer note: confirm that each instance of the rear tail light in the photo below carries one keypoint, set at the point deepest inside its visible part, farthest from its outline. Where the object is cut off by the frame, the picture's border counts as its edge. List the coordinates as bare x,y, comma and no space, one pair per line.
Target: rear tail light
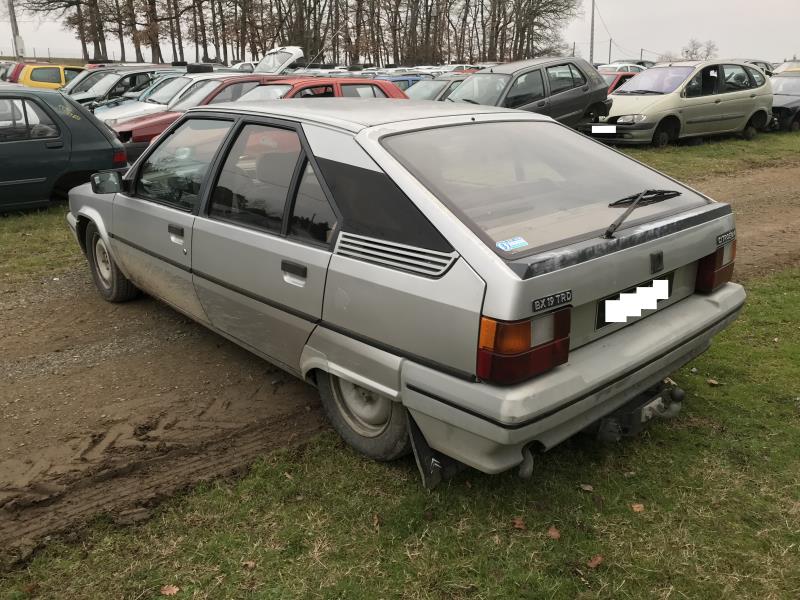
120,158
512,351
715,269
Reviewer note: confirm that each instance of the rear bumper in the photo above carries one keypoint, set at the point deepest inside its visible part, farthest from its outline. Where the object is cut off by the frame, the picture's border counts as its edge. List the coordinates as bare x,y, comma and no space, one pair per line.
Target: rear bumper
487,427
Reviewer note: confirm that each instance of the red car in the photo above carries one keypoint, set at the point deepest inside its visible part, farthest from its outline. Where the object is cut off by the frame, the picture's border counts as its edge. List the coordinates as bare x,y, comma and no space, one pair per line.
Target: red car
137,134
614,79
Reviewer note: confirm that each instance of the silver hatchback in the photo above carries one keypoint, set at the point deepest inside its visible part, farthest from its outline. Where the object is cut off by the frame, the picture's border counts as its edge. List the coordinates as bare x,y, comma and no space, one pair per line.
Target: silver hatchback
471,283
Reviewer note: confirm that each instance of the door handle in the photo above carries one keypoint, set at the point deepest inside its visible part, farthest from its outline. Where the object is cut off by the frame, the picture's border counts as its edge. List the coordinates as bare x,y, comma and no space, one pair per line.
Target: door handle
175,234
293,268
54,145
541,103
717,101
586,89
752,95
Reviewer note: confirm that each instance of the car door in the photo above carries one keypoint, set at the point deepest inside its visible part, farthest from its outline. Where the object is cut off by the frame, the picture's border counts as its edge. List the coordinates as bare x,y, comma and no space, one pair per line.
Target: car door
263,244
34,151
738,97
151,230
527,92
568,93
700,103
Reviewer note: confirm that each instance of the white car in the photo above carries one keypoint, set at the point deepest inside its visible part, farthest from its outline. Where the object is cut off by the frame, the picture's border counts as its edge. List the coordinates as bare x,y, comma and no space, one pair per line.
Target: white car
623,67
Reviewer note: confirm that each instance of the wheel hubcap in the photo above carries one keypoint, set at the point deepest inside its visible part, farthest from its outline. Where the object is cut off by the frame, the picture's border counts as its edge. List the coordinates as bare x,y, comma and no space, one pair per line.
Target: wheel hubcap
366,412
103,262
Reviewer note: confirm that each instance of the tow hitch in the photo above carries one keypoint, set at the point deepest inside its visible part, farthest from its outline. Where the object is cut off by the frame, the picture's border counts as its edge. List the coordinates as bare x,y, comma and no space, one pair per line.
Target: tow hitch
661,402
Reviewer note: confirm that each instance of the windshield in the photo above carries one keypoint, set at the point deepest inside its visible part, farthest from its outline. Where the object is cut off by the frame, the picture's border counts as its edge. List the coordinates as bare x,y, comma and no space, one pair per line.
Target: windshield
481,88
85,84
265,92
425,90
527,185
661,80
105,83
271,62
195,95
609,77
787,86
166,90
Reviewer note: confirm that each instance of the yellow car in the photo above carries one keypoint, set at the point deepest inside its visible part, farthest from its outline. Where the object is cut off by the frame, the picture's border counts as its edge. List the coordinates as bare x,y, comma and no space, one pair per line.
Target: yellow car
48,76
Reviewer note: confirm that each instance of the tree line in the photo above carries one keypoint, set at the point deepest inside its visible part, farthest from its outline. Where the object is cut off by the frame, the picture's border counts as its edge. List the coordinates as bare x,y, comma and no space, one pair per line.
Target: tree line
400,32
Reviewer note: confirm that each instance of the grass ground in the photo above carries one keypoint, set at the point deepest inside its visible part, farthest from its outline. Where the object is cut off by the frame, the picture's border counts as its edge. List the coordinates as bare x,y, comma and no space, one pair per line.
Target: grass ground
719,490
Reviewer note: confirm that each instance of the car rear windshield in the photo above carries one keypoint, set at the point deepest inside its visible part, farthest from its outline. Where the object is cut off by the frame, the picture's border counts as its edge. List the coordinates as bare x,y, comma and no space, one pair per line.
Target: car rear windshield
658,80
529,186
481,88
425,90
195,95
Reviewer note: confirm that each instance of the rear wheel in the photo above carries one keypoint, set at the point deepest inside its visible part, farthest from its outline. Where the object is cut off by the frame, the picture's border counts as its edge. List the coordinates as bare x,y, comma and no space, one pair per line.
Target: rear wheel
756,123
794,126
108,279
371,423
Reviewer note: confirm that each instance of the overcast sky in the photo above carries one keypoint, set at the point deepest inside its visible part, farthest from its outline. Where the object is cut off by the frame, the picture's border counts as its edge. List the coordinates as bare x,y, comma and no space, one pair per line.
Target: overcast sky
759,29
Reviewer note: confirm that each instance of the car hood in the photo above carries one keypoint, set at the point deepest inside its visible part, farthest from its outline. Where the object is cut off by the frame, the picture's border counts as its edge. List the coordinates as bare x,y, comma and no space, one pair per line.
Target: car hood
783,101
147,121
129,110
625,104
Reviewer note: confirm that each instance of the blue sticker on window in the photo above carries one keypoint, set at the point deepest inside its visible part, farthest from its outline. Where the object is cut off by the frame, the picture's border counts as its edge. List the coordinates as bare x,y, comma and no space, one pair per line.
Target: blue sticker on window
514,243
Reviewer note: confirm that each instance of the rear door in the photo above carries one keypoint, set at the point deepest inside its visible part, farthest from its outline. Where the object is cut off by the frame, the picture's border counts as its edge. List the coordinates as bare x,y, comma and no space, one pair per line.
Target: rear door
738,97
263,243
152,223
568,93
34,151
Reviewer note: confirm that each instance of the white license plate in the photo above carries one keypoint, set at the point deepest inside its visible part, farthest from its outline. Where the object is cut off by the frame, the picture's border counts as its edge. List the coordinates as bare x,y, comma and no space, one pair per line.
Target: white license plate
652,408
604,129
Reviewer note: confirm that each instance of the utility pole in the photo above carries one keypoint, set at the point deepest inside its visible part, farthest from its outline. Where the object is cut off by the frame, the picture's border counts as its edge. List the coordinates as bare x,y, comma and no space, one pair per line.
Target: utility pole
641,54
591,37
609,50
12,15
573,49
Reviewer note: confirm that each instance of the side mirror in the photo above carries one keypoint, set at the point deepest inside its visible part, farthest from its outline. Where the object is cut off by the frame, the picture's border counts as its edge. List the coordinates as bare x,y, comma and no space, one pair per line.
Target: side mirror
106,182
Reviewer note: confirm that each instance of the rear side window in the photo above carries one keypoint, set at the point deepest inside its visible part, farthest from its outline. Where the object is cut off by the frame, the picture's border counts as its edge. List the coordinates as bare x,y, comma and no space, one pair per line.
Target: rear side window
351,90
24,120
371,204
402,84
319,91
758,76
46,74
736,78
577,77
560,78
174,172
254,182
524,186
312,217
70,74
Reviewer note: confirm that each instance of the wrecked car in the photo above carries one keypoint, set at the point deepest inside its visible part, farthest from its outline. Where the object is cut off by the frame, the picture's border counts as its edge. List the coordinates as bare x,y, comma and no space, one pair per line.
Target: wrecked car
472,283
786,101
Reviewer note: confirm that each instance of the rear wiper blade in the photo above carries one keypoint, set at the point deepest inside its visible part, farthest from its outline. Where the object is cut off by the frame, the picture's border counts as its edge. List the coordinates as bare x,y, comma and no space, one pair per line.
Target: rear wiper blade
645,92
468,100
641,199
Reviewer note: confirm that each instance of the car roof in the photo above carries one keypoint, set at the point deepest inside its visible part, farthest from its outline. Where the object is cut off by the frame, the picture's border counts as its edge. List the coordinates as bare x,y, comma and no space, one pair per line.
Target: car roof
24,89
354,114
513,67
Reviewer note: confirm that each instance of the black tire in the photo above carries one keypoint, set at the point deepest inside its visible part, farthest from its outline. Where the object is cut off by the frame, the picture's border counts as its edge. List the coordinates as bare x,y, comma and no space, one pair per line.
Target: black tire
109,280
384,443
664,135
794,126
750,130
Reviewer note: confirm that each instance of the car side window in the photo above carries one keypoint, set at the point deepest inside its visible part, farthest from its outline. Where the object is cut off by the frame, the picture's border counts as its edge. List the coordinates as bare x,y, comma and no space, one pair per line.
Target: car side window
402,84
174,172
362,90
24,120
70,74
736,78
704,83
317,91
46,74
233,92
560,78
254,182
757,76
312,216
577,77
451,88
526,88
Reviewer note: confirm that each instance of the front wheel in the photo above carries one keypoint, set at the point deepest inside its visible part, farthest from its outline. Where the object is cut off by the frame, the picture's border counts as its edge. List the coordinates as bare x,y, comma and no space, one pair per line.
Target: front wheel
371,423
108,279
663,135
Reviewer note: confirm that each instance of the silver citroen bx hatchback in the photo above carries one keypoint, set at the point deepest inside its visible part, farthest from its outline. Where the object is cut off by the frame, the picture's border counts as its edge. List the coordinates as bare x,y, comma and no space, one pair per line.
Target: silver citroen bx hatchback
471,283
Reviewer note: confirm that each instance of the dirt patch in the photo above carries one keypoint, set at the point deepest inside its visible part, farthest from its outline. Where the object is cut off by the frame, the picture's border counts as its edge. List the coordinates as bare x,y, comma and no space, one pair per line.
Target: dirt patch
767,207
105,409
